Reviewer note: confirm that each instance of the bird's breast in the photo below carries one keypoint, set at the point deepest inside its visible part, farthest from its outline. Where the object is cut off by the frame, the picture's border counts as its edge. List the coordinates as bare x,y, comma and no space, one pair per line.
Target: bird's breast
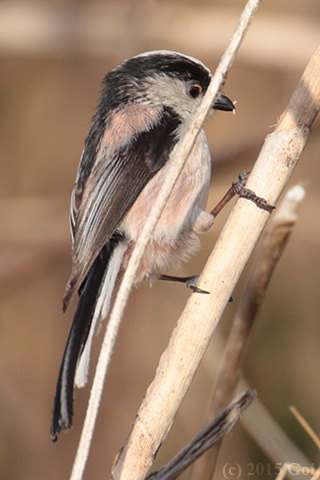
176,234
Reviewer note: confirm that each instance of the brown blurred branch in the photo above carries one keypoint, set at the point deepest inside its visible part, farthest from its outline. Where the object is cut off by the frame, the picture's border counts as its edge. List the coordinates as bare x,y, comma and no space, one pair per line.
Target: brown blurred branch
273,246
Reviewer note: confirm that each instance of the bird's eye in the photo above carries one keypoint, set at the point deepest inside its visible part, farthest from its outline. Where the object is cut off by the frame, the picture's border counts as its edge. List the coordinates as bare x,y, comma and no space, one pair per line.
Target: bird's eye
195,91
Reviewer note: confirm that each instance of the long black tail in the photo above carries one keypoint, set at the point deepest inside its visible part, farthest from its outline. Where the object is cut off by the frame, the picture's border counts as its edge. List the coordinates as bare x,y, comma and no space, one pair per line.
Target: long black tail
82,322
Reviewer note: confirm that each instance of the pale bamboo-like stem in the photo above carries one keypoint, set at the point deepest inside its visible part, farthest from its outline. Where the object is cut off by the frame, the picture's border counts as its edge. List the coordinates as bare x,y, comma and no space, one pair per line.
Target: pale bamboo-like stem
178,162
274,243
200,317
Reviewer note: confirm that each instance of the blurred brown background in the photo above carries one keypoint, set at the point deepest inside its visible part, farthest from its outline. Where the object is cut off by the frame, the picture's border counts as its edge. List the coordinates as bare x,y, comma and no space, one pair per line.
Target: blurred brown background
53,57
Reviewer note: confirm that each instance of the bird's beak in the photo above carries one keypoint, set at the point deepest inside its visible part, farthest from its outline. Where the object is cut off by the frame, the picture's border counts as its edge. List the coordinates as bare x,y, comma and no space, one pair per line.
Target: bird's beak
223,103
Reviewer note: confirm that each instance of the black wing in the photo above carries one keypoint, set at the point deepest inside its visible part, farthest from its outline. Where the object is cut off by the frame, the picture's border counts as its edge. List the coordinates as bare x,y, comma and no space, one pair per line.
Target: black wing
107,187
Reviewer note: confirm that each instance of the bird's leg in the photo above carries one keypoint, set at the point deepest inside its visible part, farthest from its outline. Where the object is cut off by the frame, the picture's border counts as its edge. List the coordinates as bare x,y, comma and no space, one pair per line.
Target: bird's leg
190,282
238,188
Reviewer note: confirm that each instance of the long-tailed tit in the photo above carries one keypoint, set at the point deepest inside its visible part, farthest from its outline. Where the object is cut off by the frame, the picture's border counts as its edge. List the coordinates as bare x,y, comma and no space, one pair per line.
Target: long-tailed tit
146,106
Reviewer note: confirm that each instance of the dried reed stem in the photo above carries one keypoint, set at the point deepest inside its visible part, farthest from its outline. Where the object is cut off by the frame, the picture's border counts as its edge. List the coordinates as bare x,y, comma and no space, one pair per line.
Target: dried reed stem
274,243
197,323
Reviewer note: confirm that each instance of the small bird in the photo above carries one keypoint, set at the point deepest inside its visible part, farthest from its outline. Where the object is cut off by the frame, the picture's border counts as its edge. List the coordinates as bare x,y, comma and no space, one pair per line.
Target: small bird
146,105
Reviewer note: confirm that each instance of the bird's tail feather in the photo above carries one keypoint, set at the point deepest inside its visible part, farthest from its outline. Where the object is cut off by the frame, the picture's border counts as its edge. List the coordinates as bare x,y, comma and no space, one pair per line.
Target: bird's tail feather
94,303
100,312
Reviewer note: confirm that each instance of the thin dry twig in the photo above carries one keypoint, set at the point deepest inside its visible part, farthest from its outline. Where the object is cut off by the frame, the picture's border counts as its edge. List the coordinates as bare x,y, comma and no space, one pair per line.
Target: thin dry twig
191,337
127,281
295,469
273,246
306,426
316,474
